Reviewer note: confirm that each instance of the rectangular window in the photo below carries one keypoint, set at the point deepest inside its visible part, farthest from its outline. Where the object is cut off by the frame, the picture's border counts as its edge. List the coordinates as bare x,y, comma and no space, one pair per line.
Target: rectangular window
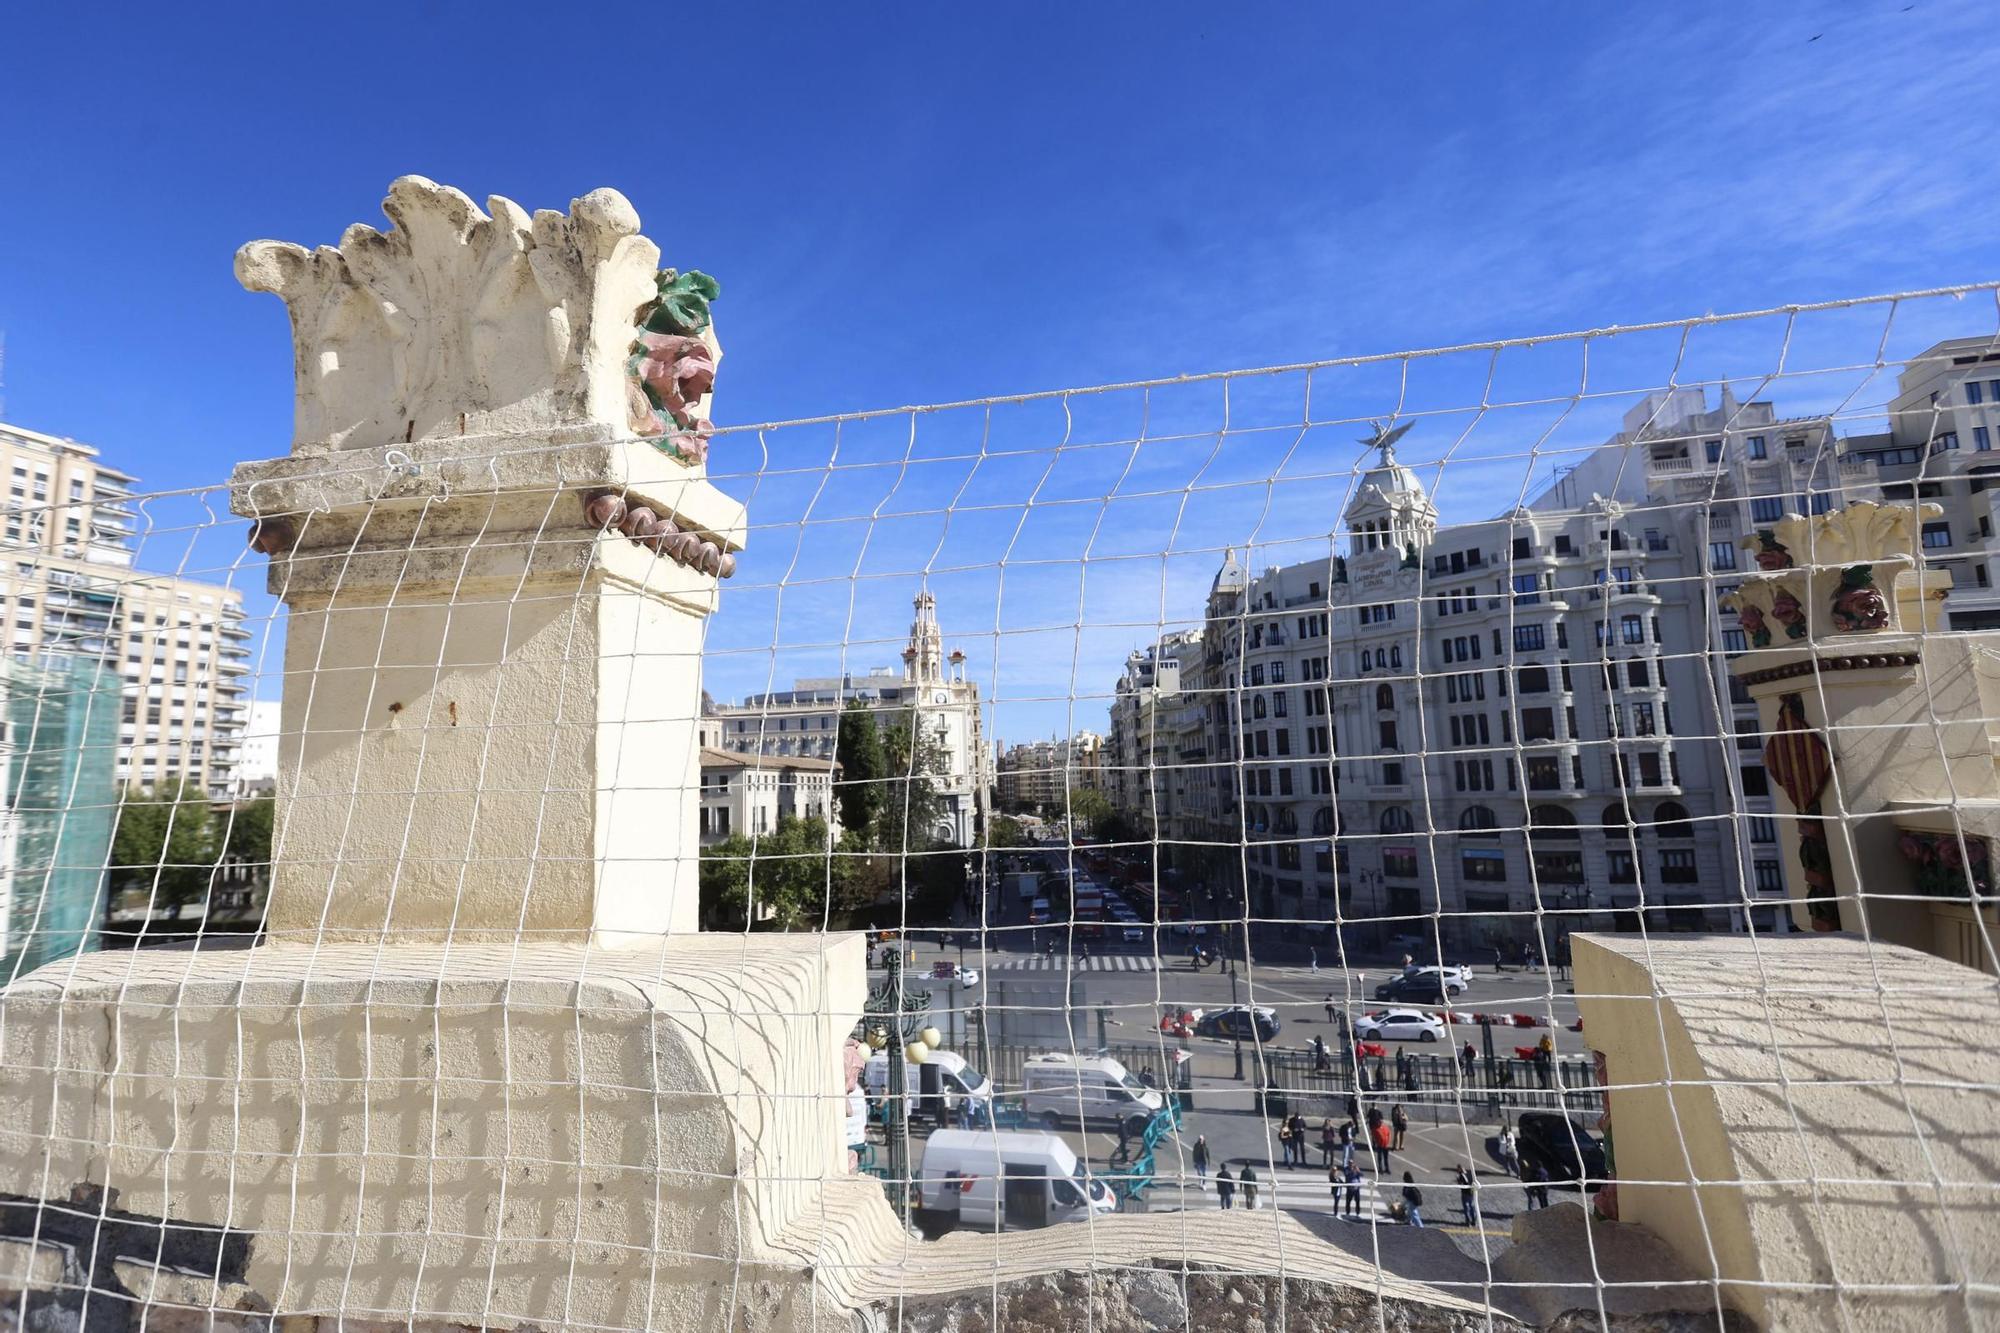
1528,638
1767,510
1770,877
1722,555
1399,862
1392,775
1677,867
1757,449
1538,724
1733,641
1622,869
1483,863
1936,536
1972,394
1544,775
1642,719
1632,629
1284,741
1527,589
1982,439
1386,735
1713,450
1763,828
1945,442
1649,769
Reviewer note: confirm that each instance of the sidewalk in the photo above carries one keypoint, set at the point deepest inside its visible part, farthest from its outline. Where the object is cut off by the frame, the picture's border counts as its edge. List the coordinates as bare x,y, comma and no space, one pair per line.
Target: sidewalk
1293,1192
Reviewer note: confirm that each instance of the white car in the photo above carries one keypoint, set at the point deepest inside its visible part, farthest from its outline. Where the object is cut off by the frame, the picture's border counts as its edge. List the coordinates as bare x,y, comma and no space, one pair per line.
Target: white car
1399,1025
1455,974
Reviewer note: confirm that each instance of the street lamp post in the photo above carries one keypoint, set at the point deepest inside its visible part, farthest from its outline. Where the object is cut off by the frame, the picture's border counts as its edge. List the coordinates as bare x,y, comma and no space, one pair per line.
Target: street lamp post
900,1014
1238,1027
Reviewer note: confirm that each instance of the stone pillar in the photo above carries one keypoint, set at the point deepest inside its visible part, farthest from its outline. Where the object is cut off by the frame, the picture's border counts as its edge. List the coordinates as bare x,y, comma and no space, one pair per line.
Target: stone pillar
498,549
1875,722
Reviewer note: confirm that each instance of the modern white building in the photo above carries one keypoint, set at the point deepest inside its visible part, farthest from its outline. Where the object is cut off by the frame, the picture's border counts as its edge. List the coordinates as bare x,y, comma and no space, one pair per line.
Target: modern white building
932,685
67,588
257,763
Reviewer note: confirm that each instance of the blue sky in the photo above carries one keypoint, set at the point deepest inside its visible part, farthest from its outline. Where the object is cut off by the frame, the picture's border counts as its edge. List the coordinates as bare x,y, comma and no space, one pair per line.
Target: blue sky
910,205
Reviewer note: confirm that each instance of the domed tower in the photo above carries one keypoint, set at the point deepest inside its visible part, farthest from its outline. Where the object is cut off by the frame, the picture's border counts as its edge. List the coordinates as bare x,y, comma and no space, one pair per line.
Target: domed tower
923,660
1390,512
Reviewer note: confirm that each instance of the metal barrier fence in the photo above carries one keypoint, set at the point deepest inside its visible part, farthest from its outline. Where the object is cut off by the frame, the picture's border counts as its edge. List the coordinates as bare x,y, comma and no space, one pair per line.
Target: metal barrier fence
1304,1082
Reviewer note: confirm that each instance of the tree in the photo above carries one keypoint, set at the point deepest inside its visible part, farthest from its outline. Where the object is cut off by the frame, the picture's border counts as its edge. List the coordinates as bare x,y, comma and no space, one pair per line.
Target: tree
1004,831
250,829
165,844
913,805
860,790
1089,809
786,873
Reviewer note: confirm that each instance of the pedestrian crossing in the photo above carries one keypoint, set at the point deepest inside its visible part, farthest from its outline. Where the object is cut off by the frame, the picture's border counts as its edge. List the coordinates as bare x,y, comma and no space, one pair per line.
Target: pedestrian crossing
1109,962
1296,1191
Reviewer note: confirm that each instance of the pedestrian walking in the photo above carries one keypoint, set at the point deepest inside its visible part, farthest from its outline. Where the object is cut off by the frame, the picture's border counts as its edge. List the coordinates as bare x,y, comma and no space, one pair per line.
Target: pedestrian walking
1382,1141
1225,1186
1545,1059
1466,1059
1200,1156
1538,1186
1315,962
1350,1204
1329,1008
1285,1141
1399,1120
1329,1139
1249,1180
1467,1195
1510,1154
1413,1200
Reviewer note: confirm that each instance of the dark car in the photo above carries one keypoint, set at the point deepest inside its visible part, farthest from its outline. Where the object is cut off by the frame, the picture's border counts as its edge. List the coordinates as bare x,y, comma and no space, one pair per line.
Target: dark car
1417,988
1240,1022
1562,1146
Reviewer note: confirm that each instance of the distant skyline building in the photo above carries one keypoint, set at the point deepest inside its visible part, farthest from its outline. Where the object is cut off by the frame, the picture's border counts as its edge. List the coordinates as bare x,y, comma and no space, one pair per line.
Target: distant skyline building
805,719
1039,775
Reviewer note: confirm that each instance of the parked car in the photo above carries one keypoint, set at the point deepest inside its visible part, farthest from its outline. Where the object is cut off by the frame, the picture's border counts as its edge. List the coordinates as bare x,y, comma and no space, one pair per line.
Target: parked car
1239,1021
1562,1146
1419,988
1399,1025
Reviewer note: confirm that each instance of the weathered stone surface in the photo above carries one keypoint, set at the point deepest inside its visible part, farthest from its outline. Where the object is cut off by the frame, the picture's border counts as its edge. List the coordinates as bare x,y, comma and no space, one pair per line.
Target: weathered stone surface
1114,1300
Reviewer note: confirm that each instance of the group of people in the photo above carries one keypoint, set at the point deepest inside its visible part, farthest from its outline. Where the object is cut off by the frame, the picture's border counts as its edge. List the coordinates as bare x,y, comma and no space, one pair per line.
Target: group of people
1226,1185
1535,1177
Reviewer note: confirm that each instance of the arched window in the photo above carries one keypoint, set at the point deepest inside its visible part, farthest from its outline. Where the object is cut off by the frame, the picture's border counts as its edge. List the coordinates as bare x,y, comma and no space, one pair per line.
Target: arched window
1672,820
1396,819
1534,680
1257,706
1614,815
1396,657
1552,821
1385,697
1323,819
1367,659
1477,818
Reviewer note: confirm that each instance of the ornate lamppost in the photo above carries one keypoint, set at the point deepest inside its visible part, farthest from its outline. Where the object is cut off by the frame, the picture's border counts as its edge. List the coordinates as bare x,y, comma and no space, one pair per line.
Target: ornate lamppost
897,1018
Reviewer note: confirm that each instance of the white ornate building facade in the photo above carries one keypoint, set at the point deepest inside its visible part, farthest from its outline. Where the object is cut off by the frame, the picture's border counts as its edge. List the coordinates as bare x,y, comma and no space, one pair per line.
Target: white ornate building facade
1522,725
805,720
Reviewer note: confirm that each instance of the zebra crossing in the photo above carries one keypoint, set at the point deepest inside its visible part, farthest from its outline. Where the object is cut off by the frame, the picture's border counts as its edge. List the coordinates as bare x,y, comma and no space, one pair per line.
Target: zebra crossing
1307,1191
1109,962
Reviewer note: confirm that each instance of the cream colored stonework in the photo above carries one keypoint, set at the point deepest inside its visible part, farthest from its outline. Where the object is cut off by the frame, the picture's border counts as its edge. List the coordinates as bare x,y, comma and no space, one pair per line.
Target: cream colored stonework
489,719
1804,1117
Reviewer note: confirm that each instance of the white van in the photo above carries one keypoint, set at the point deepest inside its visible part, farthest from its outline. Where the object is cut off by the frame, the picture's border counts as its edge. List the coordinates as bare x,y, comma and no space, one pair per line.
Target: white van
1004,1180
1058,1089
956,1080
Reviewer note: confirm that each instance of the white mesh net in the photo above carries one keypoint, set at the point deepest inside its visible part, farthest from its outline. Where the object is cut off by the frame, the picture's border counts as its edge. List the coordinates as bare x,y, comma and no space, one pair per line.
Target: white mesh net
1223,770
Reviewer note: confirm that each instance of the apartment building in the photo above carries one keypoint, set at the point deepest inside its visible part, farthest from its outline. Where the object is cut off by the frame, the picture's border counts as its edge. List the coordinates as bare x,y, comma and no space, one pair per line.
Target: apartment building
1141,744
1037,775
1506,718
68,588
805,720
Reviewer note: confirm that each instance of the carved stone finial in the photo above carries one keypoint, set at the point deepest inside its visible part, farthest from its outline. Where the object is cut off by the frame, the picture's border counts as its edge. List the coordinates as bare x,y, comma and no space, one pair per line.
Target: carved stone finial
456,323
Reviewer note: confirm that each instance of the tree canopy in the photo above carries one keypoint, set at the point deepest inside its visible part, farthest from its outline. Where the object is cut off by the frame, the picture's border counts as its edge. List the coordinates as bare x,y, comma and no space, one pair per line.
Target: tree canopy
166,844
